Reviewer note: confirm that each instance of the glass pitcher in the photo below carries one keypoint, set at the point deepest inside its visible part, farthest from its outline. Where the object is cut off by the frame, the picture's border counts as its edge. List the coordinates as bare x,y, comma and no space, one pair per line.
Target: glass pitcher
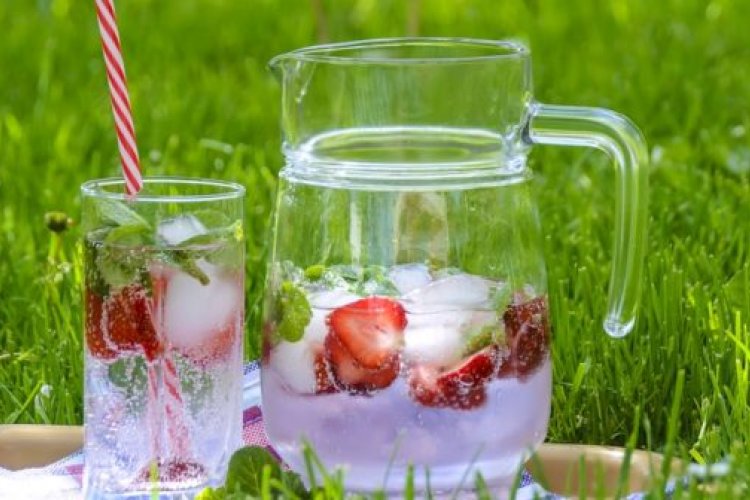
406,317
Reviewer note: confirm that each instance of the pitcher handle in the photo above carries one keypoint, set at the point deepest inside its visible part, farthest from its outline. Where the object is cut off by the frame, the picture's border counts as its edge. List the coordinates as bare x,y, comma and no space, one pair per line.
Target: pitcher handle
617,136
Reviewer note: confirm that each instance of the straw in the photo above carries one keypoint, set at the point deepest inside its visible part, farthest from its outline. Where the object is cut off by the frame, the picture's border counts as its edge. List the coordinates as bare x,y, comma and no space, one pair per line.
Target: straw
165,393
159,402
165,402
118,93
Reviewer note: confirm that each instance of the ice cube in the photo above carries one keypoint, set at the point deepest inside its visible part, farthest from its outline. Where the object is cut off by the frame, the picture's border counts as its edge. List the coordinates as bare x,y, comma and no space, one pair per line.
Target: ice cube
331,299
440,338
178,229
433,339
295,364
193,313
459,291
408,277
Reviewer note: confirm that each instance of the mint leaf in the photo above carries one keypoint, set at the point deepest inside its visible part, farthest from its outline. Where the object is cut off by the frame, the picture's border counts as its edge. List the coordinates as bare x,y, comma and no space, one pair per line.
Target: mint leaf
246,469
130,235
367,280
95,282
293,483
116,213
294,310
486,336
129,374
186,261
120,266
116,255
315,272
375,281
212,494
245,475
121,257
221,246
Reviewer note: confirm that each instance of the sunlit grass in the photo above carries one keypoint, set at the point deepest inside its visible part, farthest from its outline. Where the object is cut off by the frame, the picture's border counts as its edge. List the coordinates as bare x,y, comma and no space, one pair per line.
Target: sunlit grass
206,105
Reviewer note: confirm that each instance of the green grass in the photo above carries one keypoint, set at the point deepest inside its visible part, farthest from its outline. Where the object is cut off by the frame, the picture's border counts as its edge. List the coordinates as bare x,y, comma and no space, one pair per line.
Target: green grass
205,104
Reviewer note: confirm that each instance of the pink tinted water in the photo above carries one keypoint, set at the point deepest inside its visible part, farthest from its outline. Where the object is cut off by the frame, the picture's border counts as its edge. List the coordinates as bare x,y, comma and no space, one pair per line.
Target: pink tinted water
372,436
121,431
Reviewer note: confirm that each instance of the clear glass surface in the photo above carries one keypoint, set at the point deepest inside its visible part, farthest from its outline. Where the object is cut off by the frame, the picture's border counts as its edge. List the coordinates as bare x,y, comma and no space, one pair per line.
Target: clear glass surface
164,309
406,307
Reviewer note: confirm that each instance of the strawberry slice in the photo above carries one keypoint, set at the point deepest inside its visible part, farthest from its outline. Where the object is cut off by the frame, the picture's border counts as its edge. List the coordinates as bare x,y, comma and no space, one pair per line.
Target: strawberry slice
323,382
371,330
472,371
350,375
527,333
461,387
121,323
95,342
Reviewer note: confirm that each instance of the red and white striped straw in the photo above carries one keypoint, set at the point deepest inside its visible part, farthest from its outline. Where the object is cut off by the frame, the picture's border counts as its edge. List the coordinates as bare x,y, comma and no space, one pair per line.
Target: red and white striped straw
118,92
167,405
175,410
154,411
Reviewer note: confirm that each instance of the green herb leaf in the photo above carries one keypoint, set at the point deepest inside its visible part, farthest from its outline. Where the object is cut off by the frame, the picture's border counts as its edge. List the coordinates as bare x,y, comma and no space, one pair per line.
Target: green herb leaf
95,282
212,494
116,213
368,280
222,246
119,255
294,310
130,235
246,469
315,272
487,335
186,261
129,374
120,266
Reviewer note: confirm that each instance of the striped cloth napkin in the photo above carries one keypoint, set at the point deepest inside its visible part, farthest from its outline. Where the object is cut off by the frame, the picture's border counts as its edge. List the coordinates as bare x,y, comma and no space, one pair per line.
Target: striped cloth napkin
62,480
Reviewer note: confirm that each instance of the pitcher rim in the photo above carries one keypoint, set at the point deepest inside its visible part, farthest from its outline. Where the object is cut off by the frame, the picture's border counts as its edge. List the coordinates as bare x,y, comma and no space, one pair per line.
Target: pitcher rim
330,52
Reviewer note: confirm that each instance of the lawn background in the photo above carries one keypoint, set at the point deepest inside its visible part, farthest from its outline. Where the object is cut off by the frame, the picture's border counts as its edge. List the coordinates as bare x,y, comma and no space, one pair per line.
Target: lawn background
205,105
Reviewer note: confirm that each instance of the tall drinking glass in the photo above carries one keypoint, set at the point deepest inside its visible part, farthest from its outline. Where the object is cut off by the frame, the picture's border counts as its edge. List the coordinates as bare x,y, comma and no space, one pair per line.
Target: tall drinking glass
164,308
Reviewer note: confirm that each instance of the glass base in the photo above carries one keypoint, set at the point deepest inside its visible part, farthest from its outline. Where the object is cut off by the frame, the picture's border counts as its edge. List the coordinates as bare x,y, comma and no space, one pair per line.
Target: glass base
145,494
448,481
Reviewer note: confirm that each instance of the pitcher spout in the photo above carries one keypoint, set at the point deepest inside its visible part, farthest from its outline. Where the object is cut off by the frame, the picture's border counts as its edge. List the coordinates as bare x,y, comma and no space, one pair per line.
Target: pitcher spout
277,66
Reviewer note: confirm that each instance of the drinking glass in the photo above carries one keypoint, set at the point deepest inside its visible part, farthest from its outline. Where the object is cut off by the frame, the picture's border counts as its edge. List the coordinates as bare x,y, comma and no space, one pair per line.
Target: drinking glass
164,308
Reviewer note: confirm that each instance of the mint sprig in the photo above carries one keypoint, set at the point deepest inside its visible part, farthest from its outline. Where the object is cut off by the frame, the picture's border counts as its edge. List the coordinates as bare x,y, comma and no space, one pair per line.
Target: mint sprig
360,280
294,312
119,252
115,213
